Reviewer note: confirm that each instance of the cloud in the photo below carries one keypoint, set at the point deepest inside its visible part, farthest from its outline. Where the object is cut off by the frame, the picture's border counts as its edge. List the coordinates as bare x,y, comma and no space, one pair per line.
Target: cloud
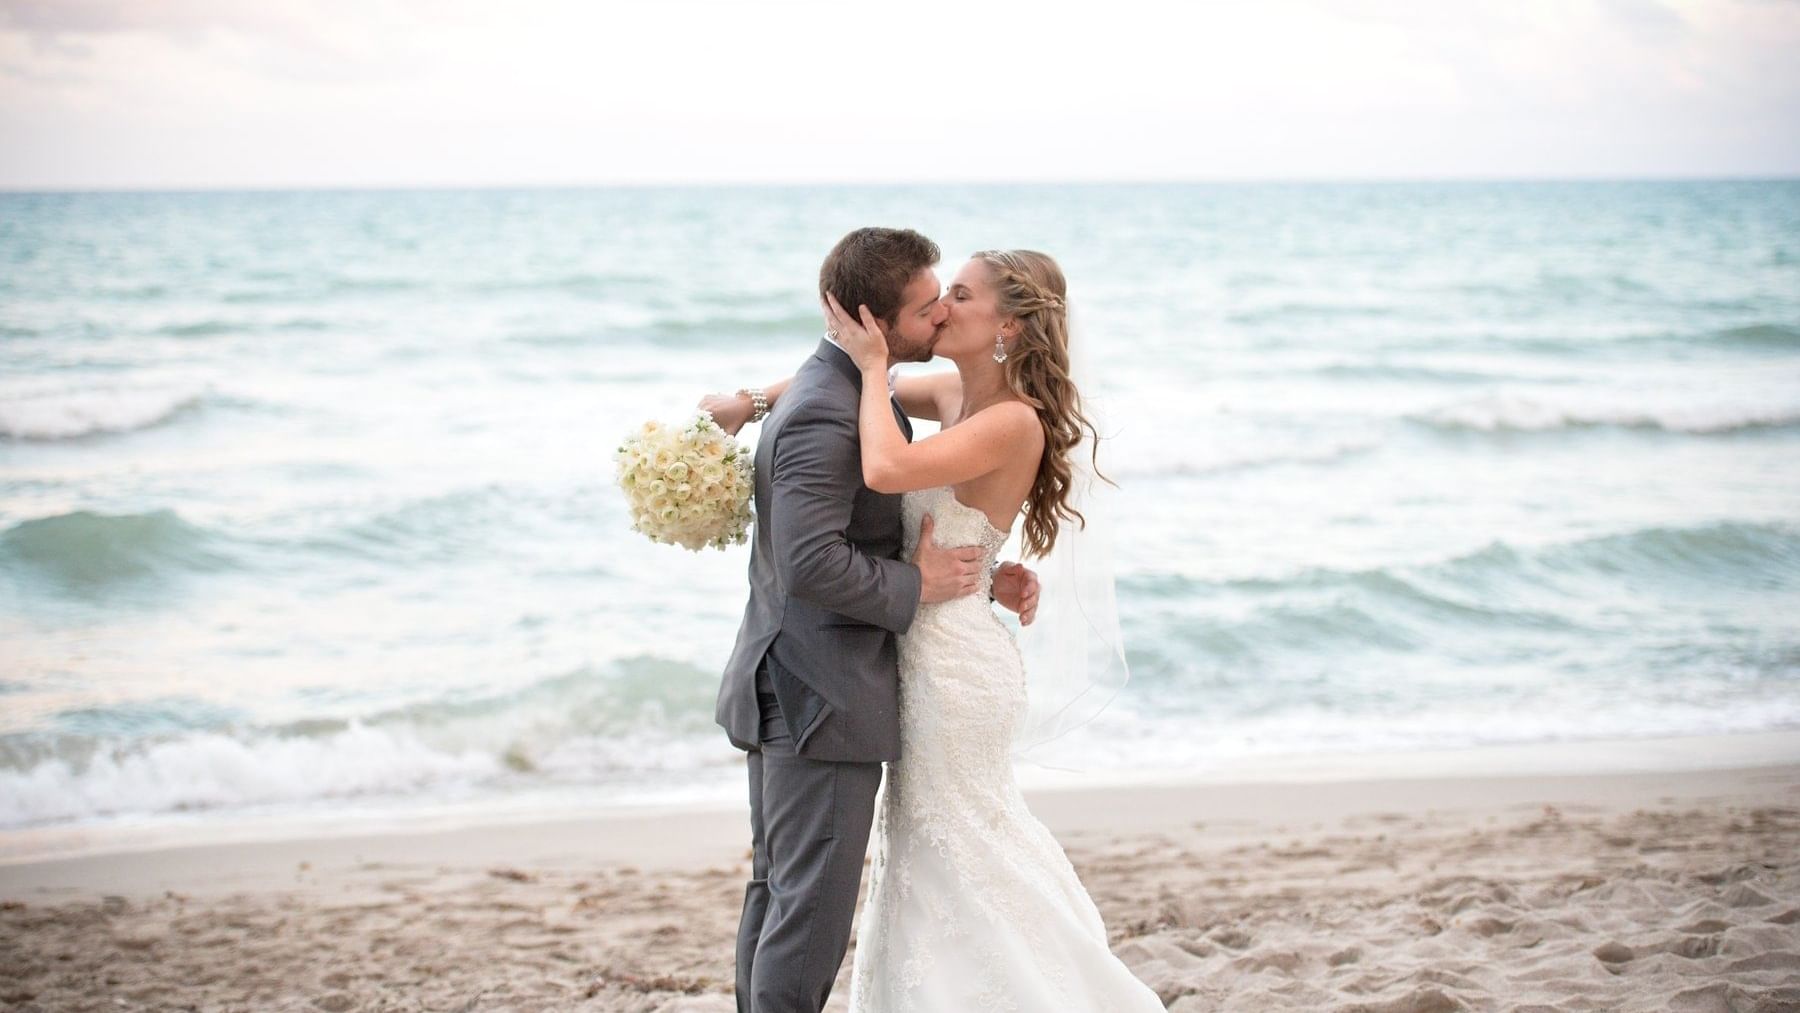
326,40
278,92
1650,20
56,18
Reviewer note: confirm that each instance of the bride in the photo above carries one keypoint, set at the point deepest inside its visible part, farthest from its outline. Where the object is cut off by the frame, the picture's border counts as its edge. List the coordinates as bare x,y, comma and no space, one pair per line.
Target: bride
972,904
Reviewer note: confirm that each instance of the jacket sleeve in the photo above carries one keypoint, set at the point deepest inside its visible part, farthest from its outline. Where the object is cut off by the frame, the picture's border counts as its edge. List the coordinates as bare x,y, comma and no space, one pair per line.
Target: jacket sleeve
816,473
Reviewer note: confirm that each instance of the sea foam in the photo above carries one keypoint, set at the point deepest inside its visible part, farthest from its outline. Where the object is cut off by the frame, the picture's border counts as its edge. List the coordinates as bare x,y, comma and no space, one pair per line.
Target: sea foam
68,416
1524,413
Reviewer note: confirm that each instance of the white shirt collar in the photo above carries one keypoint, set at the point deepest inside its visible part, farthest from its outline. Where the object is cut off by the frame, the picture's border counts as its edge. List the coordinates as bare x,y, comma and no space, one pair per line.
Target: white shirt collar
893,371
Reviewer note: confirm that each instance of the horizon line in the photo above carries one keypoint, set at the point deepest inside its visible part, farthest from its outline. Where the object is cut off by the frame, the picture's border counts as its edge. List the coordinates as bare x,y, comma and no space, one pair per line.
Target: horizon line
375,187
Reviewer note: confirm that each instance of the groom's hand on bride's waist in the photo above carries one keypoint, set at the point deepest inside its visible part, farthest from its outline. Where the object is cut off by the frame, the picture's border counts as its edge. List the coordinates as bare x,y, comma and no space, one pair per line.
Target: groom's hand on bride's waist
1016,589
945,573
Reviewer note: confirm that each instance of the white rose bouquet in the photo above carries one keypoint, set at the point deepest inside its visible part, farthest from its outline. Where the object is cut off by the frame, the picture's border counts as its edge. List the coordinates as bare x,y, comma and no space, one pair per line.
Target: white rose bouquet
687,485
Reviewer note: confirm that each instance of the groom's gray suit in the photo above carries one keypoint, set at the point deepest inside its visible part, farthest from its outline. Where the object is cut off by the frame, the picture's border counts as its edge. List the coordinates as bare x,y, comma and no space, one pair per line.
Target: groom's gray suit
812,688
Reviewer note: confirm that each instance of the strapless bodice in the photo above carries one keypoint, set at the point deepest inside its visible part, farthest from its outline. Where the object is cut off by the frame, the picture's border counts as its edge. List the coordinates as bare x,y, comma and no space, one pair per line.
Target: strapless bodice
955,524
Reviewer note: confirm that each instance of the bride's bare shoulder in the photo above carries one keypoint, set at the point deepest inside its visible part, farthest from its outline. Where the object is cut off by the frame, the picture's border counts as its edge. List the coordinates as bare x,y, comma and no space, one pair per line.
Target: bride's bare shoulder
1012,417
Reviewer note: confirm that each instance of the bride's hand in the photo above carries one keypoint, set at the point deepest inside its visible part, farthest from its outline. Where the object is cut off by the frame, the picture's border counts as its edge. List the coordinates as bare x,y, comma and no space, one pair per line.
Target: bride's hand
863,339
1016,589
730,411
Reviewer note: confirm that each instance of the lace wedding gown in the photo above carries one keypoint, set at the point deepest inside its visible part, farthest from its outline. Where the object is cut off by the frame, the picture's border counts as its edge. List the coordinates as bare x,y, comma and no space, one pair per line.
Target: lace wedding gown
972,904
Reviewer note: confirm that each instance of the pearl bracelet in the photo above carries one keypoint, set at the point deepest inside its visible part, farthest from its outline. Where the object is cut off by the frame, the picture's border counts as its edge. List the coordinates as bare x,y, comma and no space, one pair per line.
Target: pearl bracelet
759,402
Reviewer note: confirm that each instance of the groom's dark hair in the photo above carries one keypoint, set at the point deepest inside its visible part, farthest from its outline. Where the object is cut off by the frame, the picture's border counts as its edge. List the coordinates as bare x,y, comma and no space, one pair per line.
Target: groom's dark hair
871,267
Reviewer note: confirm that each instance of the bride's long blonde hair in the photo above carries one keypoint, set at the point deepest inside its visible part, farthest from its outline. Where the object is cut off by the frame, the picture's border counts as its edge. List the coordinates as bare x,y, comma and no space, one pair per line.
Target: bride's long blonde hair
1029,285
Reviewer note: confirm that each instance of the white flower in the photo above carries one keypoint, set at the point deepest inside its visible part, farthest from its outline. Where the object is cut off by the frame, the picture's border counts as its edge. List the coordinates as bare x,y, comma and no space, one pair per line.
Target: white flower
688,485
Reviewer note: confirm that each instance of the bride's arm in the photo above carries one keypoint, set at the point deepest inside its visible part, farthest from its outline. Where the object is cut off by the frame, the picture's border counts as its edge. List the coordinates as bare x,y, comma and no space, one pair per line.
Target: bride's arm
973,447
731,411
932,396
923,397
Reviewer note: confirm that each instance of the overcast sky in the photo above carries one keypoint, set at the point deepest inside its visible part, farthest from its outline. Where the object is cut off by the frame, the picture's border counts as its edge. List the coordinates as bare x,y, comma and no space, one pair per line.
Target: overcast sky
196,93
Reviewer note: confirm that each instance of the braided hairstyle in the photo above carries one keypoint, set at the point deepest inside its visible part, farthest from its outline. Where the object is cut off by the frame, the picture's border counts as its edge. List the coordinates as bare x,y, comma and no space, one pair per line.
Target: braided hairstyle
1029,286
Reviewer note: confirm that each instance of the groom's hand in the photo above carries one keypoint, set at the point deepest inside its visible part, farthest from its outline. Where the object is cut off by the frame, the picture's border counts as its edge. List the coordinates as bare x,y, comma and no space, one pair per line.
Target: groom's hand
1016,589
945,573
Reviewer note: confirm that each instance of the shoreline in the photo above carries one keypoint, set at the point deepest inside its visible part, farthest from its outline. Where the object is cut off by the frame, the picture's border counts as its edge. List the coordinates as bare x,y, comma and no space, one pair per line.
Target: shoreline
684,834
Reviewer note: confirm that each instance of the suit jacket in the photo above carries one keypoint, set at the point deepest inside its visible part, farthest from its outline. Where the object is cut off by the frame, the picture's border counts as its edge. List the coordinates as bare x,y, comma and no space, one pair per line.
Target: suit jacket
828,594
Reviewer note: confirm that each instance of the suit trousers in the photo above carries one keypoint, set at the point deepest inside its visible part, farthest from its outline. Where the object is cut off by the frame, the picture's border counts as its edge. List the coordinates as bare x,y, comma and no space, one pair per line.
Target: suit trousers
809,831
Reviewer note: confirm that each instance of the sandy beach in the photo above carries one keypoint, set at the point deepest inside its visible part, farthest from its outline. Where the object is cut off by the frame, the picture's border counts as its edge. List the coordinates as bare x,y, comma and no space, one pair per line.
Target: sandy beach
1437,890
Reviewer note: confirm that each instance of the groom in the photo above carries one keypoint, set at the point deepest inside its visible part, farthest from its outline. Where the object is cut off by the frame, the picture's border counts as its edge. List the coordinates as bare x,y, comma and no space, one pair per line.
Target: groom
811,690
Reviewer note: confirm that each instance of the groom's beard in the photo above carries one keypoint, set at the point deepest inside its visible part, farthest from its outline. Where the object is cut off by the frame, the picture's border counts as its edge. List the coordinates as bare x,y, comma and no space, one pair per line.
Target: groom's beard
916,353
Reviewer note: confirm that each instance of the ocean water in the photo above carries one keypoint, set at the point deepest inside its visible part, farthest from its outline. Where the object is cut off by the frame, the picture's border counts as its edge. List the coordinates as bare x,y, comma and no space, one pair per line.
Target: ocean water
307,507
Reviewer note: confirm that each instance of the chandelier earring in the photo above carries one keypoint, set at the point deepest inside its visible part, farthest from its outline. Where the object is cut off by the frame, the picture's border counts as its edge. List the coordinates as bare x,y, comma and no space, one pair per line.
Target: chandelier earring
999,347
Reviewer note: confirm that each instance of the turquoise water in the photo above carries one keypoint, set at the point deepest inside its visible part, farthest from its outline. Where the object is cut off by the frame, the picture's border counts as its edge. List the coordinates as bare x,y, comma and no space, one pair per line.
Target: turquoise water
306,500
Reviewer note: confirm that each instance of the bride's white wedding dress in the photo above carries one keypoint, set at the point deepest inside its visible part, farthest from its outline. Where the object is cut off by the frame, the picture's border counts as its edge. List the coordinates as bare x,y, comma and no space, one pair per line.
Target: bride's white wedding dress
972,904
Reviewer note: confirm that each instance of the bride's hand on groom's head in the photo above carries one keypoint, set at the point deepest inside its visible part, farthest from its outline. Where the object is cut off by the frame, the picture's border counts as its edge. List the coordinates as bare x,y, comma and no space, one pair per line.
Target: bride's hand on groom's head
861,336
